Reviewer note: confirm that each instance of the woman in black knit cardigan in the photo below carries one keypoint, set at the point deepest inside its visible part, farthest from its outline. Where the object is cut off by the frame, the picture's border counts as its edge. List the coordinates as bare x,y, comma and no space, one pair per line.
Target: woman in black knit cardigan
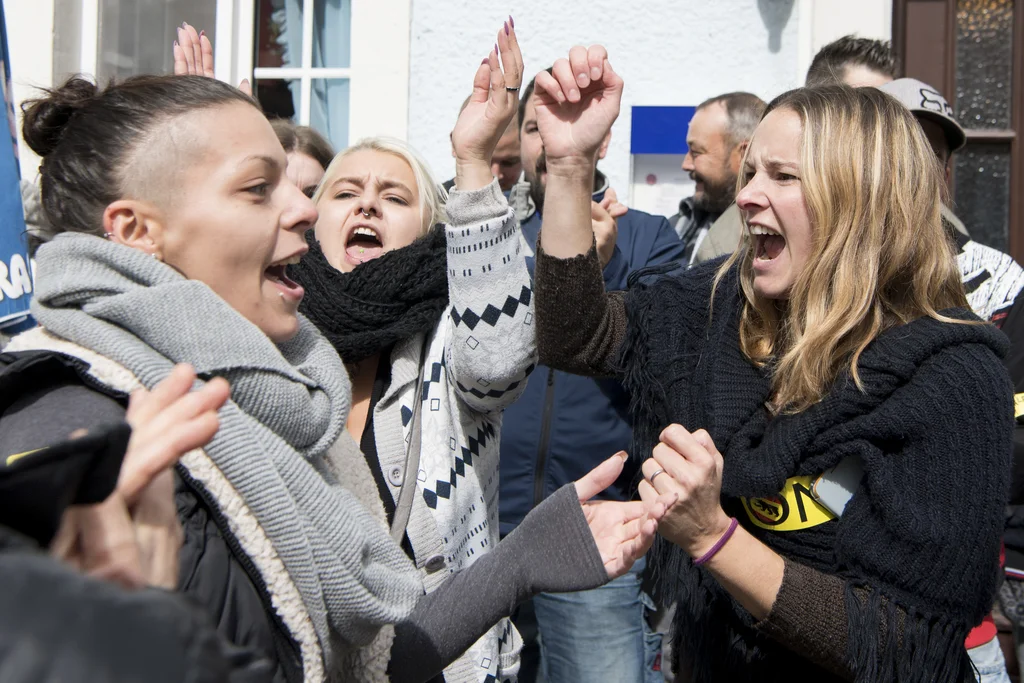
837,336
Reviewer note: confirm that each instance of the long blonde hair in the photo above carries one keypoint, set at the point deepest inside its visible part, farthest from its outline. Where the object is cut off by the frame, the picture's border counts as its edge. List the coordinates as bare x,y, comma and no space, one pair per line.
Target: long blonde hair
431,194
880,255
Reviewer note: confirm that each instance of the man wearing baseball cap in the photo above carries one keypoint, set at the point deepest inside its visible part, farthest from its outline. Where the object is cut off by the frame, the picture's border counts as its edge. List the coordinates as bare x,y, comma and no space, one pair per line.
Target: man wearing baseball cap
993,282
992,279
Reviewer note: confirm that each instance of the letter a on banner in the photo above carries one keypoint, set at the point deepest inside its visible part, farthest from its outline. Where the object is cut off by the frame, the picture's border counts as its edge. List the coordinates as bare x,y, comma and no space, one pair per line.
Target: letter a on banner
16,283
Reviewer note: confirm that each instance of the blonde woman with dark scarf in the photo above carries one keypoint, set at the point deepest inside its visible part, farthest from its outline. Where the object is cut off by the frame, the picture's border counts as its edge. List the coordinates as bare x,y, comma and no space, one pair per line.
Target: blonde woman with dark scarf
176,226
835,422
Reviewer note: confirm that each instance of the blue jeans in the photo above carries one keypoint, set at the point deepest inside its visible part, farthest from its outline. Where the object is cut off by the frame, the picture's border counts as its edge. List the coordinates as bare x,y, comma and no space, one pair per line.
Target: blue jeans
599,635
989,660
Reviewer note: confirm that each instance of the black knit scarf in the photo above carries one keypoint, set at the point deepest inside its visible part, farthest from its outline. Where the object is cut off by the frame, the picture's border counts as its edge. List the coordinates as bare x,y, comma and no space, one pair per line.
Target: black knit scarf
383,301
918,552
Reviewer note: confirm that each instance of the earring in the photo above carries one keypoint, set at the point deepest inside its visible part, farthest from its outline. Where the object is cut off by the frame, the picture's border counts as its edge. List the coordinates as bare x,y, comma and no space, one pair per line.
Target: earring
108,235
156,256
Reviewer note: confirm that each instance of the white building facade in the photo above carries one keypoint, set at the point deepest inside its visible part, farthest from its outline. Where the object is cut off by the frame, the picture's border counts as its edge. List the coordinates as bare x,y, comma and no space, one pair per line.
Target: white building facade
355,68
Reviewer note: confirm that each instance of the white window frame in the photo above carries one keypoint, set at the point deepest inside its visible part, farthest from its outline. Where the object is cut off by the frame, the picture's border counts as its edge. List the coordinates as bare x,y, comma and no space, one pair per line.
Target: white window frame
378,71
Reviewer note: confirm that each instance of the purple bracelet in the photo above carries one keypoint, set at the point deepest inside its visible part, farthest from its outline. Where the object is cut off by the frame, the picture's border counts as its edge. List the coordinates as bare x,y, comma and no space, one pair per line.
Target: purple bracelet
717,546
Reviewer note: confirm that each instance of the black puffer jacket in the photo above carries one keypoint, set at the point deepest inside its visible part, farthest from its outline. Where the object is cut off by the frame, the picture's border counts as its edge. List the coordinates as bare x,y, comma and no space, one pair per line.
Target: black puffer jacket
44,397
217,573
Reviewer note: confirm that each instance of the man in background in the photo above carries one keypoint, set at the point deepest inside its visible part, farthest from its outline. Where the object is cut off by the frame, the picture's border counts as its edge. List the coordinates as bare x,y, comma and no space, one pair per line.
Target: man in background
717,139
506,164
564,425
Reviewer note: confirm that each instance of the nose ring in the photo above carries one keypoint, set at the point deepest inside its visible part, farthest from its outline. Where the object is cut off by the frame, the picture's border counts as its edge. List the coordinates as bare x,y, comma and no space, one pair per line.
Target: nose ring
366,214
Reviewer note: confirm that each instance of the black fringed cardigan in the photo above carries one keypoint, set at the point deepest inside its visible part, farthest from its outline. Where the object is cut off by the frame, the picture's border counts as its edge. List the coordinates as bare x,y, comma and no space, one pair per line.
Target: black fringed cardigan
888,591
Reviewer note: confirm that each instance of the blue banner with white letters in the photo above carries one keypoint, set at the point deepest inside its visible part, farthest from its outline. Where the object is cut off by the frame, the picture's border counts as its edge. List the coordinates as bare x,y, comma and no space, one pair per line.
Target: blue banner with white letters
15,276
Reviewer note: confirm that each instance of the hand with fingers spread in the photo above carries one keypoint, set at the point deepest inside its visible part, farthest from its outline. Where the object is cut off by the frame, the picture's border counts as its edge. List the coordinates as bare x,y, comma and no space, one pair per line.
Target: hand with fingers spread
690,467
623,531
193,55
133,537
577,103
492,105
604,215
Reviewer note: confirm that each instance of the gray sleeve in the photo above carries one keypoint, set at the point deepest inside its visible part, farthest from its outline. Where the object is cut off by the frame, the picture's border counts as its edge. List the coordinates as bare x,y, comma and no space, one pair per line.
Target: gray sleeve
551,551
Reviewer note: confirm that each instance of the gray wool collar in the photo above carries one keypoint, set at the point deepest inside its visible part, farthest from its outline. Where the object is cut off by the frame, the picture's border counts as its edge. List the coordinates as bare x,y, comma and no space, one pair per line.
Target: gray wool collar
289,403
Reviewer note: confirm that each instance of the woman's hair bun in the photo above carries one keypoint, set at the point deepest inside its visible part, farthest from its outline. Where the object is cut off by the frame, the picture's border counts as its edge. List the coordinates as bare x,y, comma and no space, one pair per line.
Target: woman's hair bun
46,117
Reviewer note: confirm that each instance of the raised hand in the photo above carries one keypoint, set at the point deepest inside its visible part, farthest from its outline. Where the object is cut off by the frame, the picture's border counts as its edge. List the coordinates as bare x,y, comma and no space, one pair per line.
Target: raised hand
604,215
623,532
193,56
576,105
491,107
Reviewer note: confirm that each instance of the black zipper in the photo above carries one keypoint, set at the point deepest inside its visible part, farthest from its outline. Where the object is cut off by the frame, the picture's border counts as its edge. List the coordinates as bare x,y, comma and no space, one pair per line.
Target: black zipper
284,643
545,438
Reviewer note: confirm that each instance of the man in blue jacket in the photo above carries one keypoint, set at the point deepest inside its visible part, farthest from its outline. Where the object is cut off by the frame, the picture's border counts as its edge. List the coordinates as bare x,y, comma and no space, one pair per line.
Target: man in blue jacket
564,425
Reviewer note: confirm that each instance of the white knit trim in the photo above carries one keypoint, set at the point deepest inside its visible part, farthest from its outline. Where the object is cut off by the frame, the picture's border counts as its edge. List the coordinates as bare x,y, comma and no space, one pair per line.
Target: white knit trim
284,595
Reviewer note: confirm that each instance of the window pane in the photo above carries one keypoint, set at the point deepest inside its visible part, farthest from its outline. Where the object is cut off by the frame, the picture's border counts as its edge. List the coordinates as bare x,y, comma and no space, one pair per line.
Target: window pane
67,39
983,192
135,37
328,111
332,23
984,50
278,33
279,98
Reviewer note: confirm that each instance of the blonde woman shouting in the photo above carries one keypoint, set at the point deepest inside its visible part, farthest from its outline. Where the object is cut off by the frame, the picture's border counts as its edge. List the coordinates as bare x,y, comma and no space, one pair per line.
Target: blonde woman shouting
835,422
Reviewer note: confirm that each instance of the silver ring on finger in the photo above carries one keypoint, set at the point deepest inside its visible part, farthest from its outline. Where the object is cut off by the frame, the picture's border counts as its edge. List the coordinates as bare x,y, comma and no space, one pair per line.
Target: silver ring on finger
656,473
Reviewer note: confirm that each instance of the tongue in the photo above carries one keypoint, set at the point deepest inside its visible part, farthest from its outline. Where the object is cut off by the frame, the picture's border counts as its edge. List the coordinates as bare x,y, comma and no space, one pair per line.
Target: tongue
363,253
773,245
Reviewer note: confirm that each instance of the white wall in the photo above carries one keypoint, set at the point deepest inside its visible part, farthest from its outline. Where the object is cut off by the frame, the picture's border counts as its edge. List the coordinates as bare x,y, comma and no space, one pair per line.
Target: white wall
822,21
670,52
30,42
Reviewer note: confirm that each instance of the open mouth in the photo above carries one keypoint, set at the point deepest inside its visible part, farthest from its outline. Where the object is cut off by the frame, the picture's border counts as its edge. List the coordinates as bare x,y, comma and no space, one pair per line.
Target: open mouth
278,275
364,244
768,243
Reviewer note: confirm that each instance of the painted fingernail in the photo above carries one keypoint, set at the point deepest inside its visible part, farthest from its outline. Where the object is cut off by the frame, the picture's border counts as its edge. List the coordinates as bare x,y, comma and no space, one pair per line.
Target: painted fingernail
506,28
202,33
511,21
486,59
176,44
495,48
184,25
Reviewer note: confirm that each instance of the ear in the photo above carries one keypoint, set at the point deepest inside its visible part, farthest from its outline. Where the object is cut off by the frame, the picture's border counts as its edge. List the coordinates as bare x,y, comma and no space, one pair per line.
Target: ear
603,149
451,139
135,224
737,154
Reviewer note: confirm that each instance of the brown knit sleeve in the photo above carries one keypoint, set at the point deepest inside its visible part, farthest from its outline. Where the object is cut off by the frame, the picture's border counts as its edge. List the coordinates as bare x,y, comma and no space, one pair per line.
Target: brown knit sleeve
809,617
580,327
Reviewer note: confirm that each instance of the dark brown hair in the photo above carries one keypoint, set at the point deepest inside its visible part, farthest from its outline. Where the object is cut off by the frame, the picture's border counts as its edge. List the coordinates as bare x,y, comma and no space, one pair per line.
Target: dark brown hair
85,135
304,140
829,66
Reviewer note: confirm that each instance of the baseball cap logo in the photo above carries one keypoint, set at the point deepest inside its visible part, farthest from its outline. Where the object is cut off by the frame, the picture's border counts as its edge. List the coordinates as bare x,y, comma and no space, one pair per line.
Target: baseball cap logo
933,101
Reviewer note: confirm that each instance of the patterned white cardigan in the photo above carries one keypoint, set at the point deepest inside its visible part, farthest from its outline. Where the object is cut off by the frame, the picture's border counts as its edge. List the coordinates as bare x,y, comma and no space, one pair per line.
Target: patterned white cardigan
476,363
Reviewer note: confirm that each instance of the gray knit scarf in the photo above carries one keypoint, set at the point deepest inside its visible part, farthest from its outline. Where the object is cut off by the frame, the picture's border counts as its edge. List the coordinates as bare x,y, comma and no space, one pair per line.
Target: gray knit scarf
289,403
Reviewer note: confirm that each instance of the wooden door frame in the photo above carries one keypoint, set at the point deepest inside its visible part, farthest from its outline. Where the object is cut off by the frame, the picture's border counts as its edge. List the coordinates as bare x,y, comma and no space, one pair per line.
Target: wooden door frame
1015,236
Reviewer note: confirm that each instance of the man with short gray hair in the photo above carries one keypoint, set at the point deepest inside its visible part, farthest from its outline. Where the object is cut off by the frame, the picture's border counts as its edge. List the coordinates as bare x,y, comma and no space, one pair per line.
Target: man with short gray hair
717,139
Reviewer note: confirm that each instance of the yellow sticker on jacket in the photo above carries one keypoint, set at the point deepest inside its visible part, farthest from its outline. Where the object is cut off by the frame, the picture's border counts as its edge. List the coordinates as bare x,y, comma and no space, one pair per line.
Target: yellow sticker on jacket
793,509
11,459
1018,405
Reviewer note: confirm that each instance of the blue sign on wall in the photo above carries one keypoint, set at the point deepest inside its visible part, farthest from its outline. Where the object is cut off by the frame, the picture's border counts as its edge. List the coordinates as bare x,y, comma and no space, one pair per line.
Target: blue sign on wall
15,277
660,130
